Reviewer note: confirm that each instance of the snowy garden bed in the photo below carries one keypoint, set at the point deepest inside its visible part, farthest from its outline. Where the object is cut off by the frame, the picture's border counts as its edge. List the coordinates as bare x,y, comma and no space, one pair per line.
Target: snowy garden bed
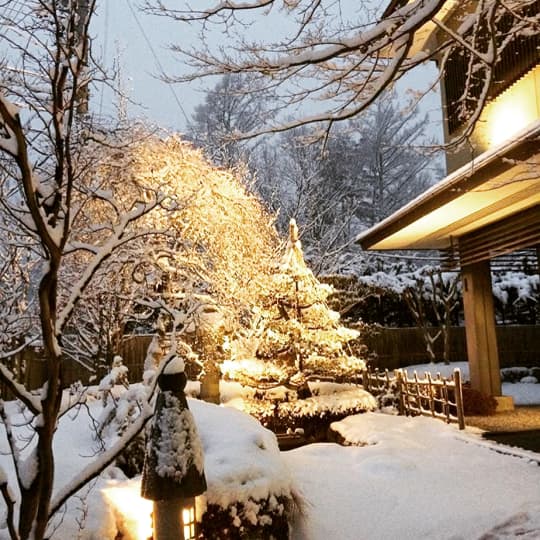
310,417
249,491
404,467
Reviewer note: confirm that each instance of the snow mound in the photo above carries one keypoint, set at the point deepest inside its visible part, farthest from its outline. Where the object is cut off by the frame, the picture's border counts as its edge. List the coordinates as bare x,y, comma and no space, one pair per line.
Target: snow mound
333,403
241,458
385,429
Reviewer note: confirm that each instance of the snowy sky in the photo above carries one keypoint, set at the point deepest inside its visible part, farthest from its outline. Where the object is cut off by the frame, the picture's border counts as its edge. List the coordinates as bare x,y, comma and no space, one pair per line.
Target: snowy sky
140,41
122,31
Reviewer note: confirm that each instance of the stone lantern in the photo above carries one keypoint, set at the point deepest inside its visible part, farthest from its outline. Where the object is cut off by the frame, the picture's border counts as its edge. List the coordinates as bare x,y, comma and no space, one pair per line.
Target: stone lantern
173,473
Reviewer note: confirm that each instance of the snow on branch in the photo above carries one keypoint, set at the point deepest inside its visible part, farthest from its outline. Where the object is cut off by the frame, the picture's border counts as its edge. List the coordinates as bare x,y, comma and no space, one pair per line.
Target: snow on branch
341,57
8,115
119,237
7,377
97,466
219,8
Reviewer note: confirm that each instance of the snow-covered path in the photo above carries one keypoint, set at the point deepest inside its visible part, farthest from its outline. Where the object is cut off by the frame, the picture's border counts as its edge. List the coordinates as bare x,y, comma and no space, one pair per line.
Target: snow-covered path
417,479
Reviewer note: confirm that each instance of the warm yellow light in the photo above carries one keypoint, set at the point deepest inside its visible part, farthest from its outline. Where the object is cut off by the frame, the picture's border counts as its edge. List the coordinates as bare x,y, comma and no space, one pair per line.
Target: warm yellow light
506,122
513,110
135,511
188,521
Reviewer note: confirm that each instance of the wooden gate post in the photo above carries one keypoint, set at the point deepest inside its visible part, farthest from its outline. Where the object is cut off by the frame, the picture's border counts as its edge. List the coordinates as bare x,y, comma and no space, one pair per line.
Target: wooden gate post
459,398
399,381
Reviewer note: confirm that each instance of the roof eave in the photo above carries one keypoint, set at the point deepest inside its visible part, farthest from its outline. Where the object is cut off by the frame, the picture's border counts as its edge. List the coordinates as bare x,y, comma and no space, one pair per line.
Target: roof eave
452,186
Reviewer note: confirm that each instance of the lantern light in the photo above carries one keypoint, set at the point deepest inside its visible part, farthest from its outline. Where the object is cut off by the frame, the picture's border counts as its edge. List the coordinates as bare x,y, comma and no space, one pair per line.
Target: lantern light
188,519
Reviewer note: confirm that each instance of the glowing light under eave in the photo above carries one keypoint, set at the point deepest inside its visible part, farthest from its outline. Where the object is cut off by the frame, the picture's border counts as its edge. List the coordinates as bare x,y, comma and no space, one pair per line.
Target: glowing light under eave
507,122
513,110
136,512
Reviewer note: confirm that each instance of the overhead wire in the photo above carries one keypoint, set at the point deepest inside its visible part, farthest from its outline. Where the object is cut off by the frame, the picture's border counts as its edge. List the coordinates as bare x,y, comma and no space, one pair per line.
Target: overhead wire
105,47
156,58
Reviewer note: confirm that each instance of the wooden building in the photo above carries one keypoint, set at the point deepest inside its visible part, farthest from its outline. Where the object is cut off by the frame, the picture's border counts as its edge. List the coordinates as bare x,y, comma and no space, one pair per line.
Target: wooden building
489,204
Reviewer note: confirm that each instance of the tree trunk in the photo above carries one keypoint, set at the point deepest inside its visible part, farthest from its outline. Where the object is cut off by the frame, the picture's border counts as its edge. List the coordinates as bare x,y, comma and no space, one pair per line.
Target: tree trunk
36,497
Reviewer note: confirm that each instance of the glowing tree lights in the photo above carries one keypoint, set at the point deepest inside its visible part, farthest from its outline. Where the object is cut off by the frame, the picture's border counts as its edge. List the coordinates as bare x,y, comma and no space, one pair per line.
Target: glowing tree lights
299,337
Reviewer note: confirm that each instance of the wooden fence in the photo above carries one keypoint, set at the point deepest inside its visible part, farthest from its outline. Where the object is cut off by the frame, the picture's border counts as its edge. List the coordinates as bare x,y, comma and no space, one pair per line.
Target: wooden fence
436,397
518,345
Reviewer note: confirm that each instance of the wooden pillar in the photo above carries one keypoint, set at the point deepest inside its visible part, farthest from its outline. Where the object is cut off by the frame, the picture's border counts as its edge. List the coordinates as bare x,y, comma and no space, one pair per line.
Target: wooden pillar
480,328
538,292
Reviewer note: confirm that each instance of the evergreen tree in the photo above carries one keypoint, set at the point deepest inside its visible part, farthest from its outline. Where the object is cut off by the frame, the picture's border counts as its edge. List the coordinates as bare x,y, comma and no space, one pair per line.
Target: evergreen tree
299,336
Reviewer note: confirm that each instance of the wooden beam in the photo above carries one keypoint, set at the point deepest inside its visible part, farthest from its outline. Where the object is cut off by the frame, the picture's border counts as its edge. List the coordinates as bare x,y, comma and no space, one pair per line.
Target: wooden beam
480,328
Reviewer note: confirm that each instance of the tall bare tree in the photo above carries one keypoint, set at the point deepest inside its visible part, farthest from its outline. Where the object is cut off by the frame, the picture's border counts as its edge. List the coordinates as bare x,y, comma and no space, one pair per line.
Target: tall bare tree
370,166
48,177
229,108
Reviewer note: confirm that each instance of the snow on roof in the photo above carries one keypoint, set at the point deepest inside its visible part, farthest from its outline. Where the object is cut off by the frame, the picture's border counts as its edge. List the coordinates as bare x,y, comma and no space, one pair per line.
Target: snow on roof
449,188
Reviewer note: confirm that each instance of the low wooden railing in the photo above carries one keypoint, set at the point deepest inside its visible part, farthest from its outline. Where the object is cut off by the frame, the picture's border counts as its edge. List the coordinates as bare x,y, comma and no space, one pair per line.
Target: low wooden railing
437,396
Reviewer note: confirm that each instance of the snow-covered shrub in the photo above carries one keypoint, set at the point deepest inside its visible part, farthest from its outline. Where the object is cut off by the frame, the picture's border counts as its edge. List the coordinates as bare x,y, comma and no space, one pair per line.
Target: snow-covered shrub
264,519
516,295
313,414
250,491
389,396
375,299
514,374
121,405
379,297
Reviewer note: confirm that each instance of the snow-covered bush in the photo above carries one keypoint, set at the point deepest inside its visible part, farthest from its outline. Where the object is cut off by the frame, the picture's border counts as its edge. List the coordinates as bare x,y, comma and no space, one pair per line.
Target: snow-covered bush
122,403
520,374
250,493
379,297
516,297
312,415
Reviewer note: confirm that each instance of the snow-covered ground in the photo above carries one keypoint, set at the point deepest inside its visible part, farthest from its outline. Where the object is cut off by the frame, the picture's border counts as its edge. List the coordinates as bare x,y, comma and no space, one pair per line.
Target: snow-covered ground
417,478
413,478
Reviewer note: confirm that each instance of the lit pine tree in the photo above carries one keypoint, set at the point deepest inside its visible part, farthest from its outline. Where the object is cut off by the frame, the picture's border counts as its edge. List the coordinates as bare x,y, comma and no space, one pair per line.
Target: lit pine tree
299,337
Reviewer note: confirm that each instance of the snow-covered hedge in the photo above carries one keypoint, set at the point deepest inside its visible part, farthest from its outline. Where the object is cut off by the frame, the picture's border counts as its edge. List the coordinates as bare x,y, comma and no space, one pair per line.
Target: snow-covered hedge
311,415
249,487
379,296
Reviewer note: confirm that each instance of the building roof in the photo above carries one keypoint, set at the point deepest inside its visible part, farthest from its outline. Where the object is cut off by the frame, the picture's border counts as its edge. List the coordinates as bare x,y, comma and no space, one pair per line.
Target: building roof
422,36
499,183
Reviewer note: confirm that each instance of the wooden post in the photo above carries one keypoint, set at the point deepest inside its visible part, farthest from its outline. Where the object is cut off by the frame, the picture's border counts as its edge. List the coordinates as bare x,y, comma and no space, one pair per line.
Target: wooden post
446,401
167,520
459,398
480,328
431,396
401,405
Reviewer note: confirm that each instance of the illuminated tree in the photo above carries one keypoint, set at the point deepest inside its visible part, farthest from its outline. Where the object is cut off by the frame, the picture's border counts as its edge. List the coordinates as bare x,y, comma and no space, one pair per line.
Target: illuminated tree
299,337
201,254
84,213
